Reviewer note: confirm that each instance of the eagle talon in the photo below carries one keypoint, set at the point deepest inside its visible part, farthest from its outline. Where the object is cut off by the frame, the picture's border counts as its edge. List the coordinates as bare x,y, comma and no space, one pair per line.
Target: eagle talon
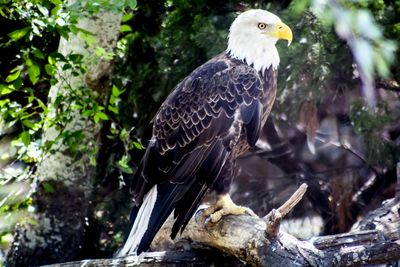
223,207
199,216
251,213
207,223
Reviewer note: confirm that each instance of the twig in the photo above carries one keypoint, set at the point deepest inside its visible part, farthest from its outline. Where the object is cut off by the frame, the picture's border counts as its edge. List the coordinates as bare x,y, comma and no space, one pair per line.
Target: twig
293,200
274,217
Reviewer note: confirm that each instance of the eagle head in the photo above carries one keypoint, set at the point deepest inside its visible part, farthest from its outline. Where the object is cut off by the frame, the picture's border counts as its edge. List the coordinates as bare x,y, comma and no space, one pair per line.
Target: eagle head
253,35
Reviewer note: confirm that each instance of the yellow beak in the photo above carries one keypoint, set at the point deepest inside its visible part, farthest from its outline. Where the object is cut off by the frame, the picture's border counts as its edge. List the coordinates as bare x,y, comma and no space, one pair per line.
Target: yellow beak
282,31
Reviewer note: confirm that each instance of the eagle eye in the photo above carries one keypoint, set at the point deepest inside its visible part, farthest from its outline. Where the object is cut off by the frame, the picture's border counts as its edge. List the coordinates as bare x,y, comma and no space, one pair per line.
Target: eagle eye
262,26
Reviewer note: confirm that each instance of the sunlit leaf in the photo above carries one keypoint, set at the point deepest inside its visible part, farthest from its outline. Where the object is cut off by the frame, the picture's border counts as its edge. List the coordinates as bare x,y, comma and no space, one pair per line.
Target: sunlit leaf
18,34
137,145
55,10
4,89
43,10
4,102
50,70
123,164
56,2
33,73
113,109
13,76
87,113
28,123
127,17
125,28
60,22
115,91
42,105
100,116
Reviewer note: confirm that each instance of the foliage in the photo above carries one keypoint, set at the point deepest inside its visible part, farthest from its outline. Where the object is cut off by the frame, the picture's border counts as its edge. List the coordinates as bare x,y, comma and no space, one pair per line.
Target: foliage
367,122
29,42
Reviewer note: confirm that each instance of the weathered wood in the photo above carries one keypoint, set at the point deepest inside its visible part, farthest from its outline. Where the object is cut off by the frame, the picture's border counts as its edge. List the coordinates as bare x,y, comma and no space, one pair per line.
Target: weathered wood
246,238
159,258
273,218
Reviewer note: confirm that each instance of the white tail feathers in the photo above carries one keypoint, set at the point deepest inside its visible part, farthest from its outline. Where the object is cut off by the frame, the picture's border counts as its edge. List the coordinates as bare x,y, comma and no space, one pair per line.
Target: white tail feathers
140,225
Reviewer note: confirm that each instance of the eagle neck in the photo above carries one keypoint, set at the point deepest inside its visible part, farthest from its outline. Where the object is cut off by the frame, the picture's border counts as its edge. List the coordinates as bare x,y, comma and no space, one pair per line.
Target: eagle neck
260,57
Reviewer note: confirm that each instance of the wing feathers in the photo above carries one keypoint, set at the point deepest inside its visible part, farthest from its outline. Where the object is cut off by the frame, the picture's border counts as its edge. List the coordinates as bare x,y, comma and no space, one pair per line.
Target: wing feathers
195,132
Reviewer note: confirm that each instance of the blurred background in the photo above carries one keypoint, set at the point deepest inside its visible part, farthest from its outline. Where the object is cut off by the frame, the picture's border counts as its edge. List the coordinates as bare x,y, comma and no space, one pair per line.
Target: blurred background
335,124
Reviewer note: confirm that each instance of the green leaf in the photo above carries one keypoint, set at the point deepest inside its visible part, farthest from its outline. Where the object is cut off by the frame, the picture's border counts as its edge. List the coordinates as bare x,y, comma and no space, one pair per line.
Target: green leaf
43,10
25,138
18,34
50,70
63,32
115,91
33,73
55,10
113,109
53,81
87,113
100,51
4,89
138,145
96,118
60,22
127,17
28,123
131,4
56,2
100,116
125,28
42,105
123,164
76,58
4,102
17,84
13,76
48,187
67,66
54,57
38,54
123,134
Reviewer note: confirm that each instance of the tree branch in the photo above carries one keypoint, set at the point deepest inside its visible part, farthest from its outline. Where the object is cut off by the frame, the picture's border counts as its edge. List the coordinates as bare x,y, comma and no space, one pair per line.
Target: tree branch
376,239
273,219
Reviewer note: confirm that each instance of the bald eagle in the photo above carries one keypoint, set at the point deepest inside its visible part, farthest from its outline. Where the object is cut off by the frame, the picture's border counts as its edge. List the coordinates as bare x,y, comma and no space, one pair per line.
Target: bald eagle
211,117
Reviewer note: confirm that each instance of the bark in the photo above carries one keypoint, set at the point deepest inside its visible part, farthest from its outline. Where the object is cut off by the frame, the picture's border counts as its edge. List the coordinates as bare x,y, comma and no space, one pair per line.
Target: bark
161,259
60,217
257,241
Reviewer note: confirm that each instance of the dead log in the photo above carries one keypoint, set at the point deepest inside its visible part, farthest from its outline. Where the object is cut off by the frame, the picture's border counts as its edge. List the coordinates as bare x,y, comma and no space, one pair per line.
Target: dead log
258,242
159,259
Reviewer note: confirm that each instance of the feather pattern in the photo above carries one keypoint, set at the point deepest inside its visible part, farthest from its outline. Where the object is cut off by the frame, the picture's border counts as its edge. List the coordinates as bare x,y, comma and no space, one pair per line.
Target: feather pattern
211,117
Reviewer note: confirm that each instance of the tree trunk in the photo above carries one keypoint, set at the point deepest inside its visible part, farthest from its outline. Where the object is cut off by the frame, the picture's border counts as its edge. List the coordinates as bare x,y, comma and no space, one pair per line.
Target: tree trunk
64,176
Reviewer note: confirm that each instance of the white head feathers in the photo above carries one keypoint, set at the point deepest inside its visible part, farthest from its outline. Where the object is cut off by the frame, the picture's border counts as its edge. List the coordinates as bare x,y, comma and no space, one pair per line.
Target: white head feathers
253,36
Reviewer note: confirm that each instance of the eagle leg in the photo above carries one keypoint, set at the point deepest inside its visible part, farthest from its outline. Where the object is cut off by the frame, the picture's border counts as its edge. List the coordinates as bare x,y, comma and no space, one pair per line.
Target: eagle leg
224,206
